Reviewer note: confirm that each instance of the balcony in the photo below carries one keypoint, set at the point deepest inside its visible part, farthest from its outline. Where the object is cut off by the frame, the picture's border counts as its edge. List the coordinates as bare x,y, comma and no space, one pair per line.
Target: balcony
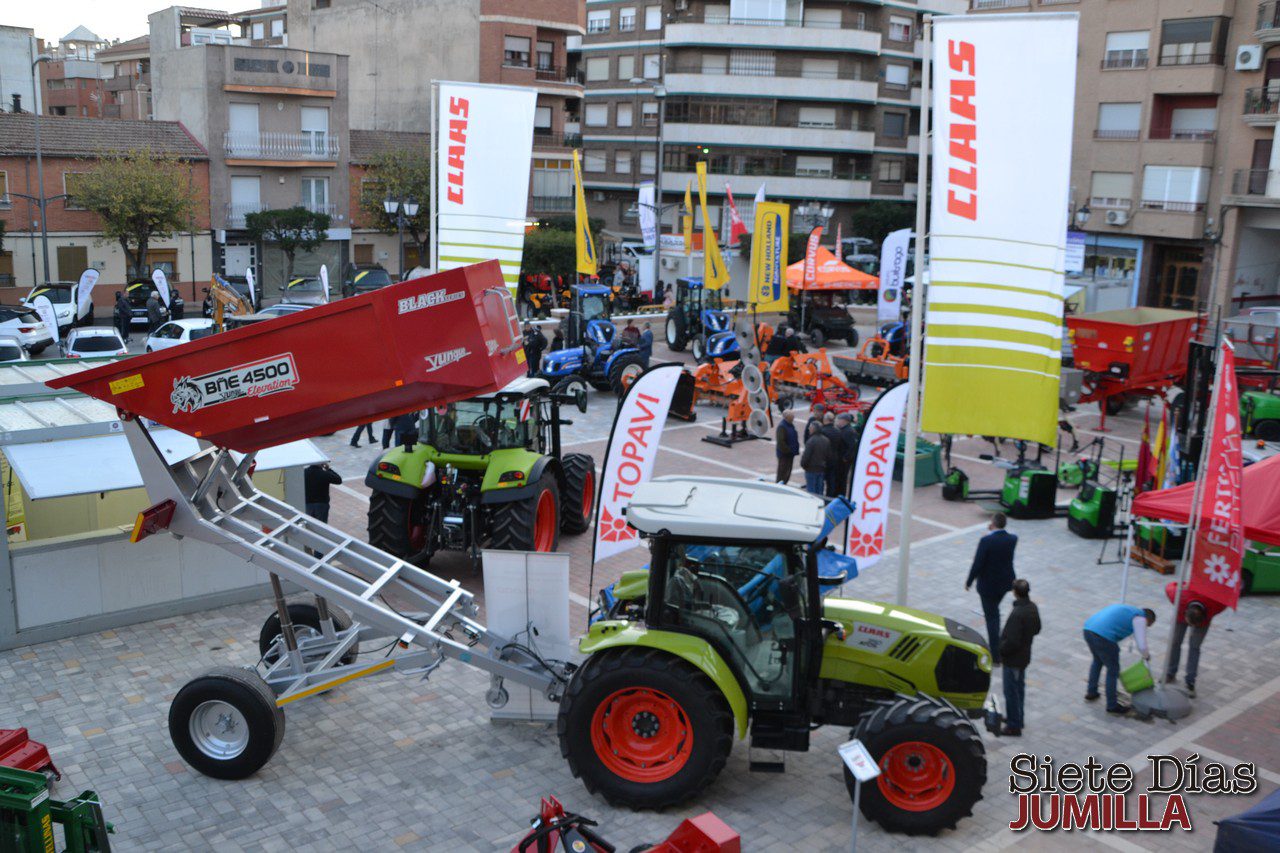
780,84
546,139
1183,134
837,186
1188,76
1124,60
1256,187
1260,105
818,138
558,74
1116,134
700,28
988,5
281,149
1268,30
327,208
237,210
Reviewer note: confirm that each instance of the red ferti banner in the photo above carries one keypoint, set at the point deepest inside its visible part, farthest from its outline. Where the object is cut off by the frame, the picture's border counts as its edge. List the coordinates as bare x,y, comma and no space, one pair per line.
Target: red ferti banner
811,257
1219,543
736,226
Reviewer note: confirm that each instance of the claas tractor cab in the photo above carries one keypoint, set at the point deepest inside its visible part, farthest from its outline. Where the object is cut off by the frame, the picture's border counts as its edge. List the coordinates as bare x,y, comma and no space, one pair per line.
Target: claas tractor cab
728,635
592,353
484,472
698,321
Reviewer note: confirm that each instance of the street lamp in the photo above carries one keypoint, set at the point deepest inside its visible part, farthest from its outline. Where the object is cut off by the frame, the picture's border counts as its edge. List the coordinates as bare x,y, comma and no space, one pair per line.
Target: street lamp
659,94
43,202
1082,215
403,209
816,214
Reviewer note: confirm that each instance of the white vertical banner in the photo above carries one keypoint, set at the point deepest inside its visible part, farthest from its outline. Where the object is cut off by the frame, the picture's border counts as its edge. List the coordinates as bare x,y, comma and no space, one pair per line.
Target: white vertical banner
648,215
253,296
893,272
1001,176
873,476
44,308
162,286
84,293
324,281
484,142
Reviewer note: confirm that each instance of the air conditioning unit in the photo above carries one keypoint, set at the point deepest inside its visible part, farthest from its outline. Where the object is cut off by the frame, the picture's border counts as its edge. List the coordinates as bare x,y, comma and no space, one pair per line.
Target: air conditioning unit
1117,217
1248,57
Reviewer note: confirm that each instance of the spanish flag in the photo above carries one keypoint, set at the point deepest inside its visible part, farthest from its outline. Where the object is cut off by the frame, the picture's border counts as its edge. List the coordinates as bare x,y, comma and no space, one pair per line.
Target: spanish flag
582,230
687,220
715,274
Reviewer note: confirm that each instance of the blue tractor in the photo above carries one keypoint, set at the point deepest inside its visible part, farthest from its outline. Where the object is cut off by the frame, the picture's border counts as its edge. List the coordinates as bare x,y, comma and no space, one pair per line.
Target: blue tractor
698,321
592,353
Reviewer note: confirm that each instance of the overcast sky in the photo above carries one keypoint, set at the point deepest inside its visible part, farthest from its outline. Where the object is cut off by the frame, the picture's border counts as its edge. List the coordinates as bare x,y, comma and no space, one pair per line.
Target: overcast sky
110,19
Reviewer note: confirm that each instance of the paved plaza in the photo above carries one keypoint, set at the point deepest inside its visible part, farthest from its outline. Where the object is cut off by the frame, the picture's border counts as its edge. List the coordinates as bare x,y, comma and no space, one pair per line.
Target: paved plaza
398,763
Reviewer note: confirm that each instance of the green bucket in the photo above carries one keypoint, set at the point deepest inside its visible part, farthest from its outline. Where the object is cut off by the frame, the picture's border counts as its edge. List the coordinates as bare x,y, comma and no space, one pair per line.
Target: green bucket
1137,677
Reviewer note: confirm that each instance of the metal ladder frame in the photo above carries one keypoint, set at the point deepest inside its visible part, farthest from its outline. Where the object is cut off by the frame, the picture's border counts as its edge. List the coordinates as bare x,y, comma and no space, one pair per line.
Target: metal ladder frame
216,502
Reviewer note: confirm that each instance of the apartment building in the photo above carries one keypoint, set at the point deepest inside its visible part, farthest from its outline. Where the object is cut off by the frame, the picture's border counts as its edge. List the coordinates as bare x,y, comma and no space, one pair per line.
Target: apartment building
72,82
18,49
275,123
817,100
371,241
126,83
1172,152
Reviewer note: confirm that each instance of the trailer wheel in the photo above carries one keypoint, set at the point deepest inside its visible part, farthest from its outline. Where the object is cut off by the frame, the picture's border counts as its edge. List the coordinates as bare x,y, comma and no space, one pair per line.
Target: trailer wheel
397,527
1115,403
818,336
579,499
677,336
1267,430
626,369
225,723
306,623
532,524
932,765
643,728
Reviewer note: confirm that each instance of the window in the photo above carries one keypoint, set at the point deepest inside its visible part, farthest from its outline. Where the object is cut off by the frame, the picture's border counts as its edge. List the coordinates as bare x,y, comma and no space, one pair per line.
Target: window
277,28
1192,41
652,66
597,115
598,22
315,129
624,115
552,184
315,194
825,18
1193,123
1119,121
814,167
826,69
897,76
648,162
546,55
1182,189
542,120
895,125
4,187
653,17
817,117
593,161
320,4
627,19
649,113
716,13
598,68
626,68
891,171
69,182
899,28
715,63
515,51
622,163
259,30
1111,190
1127,49
752,63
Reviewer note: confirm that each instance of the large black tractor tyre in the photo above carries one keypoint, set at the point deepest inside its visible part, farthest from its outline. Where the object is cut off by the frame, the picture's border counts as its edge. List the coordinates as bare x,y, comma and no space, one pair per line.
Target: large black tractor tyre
932,765
1268,430
225,723
625,370
677,334
579,499
392,528
643,728
306,621
531,524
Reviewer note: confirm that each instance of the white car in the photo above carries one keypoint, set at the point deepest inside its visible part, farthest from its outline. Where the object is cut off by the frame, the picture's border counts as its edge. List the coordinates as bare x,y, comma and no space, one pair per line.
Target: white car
93,342
25,325
177,332
11,349
62,295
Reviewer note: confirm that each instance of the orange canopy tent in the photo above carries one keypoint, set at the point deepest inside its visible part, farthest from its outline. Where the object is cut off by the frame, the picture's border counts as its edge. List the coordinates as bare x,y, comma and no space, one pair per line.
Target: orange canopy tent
832,274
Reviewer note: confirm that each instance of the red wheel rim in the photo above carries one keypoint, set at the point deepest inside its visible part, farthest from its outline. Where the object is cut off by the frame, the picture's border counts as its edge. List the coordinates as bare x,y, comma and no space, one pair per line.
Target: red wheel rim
588,495
641,735
544,523
916,776
417,529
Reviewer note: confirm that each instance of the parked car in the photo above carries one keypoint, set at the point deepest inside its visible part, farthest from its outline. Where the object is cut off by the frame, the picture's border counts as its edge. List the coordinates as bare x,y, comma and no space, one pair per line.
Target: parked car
93,341
281,309
177,332
363,278
238,283
139,291
62,295
305,290
11,349
26,325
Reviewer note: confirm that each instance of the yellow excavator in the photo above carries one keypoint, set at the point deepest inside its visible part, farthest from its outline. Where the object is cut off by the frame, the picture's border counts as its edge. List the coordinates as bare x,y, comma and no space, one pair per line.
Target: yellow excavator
226,301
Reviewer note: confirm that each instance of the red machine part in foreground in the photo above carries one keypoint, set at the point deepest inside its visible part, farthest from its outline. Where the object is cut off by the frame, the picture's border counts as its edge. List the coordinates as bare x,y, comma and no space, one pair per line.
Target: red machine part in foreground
420,343
557,830
19,751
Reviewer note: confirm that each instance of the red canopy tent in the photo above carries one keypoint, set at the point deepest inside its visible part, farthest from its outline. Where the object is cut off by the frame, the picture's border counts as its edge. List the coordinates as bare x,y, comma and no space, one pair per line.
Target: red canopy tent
1260,492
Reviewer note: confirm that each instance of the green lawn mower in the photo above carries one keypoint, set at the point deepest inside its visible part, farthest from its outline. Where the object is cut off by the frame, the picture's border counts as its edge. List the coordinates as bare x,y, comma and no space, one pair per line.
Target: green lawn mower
728,635
1029,489
487,472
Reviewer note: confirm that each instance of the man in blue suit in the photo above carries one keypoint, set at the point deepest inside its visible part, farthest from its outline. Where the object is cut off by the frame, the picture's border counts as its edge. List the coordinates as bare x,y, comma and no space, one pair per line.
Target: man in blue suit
993,571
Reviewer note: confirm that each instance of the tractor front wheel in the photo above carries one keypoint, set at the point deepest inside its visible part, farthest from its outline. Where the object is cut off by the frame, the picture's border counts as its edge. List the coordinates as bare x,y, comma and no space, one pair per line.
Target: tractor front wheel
932,765
698,348
531,524
677,337
1267,430
579,499
397,526
852,338
644,728
626,369
571,385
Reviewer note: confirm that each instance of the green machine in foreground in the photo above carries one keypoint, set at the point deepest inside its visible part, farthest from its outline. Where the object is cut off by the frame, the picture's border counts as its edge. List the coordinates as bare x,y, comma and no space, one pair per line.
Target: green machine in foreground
28,817
1260,412
1029,489
1261,568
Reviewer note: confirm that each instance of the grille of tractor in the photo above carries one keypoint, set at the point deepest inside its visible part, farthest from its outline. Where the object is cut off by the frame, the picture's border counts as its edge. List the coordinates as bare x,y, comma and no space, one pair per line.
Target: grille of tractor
958,672
906,648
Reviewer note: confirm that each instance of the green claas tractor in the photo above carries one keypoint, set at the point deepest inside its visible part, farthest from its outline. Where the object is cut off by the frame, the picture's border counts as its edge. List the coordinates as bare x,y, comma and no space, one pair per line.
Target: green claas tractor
1260,411
727,634
483,472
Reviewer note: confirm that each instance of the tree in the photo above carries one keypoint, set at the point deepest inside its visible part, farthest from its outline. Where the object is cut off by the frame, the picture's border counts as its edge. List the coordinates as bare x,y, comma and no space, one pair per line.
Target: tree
550,251
796,243
140,197
876,219
293,229
570,224
401,173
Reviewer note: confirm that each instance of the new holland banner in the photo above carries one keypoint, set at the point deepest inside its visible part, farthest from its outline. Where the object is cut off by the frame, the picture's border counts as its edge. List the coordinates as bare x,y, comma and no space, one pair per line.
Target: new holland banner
584,246
484,143
715,274
998,223
767,289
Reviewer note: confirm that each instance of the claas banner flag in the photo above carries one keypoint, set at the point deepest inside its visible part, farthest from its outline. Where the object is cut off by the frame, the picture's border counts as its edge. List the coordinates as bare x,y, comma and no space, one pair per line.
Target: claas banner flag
998,224
715,274
767,290
585,246
687,219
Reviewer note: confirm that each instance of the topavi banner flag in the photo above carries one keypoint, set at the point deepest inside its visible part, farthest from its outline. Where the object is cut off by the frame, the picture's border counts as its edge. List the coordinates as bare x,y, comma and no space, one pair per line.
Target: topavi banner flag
484,139
998,223
873,476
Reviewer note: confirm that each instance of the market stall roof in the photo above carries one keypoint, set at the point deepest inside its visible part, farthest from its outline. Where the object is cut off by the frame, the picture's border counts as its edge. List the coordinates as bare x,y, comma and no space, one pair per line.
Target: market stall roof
1260,493
28,378
832,274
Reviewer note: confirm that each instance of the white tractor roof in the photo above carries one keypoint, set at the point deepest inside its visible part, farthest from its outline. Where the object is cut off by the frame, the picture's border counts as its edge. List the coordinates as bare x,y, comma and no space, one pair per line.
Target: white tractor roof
724,508
523,385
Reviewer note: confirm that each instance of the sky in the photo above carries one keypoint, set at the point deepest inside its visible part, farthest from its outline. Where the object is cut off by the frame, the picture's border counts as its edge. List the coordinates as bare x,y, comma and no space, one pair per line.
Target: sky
110,19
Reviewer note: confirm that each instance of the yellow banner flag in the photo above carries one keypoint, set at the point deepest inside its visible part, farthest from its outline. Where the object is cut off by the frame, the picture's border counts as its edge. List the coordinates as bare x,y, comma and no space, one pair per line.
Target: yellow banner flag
715,274
582,229
767,289
687,221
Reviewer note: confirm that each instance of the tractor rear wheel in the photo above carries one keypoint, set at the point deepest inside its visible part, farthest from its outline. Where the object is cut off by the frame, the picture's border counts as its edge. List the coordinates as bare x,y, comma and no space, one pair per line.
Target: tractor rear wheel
644,728
531,524
932,765
677,335
397,526
225,723
306,623
1267,430
818,336
625,370
579,499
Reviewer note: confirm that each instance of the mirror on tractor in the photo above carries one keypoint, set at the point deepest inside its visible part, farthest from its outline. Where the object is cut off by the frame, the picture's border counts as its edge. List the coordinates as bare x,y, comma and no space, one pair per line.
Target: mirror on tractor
833,580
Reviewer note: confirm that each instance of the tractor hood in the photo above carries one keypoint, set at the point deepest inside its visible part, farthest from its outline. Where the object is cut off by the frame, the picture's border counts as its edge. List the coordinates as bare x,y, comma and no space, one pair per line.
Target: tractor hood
715,321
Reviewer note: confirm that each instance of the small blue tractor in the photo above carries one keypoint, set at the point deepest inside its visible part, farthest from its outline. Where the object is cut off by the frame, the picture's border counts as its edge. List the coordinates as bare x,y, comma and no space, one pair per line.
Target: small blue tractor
698,321
592,353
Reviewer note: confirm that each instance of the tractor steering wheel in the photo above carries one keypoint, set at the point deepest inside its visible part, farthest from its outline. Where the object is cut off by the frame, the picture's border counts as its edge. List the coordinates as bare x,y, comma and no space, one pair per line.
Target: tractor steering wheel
485,426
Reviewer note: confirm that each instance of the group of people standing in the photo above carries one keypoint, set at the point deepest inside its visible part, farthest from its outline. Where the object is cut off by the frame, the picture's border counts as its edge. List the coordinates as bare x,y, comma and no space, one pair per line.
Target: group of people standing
398,427
827,452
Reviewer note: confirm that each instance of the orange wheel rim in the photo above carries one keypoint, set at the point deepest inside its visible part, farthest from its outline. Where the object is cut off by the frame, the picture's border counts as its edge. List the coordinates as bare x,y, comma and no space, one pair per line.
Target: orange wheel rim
916,776
544,524
641,735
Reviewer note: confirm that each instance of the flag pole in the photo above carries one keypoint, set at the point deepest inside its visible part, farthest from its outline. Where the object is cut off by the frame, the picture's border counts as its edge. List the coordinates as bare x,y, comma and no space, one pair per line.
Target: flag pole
434,147
917,317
